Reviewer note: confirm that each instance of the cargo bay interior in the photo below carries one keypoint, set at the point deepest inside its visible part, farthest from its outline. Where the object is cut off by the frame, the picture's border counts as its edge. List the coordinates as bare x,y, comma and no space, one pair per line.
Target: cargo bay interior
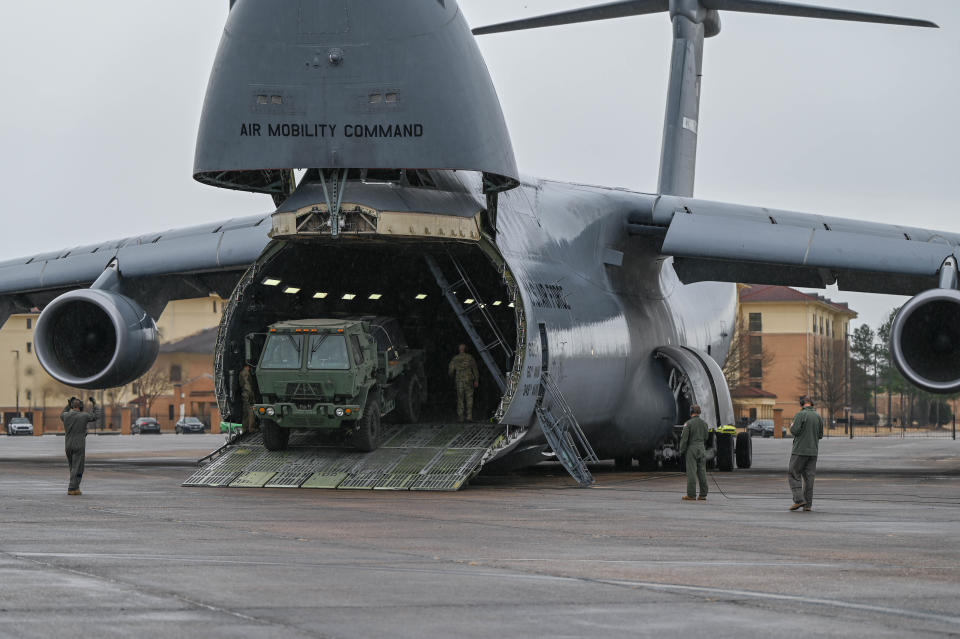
349,277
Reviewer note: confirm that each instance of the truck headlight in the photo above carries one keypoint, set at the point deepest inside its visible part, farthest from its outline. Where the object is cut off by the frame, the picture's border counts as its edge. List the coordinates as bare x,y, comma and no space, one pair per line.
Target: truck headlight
339,412
271,411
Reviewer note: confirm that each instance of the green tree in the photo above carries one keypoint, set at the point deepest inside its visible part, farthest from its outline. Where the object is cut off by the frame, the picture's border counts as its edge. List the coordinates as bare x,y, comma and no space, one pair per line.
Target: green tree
863,353
889,378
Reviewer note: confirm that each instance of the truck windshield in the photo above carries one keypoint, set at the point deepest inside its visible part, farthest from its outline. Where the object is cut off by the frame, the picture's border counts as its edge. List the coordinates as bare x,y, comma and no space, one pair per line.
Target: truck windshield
282,352
328,352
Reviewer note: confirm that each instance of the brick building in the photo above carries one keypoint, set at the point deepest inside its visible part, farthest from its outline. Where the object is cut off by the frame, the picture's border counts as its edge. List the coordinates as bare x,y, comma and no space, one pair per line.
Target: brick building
796,346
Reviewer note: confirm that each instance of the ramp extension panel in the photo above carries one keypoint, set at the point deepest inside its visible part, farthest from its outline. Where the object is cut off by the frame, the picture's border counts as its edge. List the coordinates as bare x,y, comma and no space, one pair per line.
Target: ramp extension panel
413,457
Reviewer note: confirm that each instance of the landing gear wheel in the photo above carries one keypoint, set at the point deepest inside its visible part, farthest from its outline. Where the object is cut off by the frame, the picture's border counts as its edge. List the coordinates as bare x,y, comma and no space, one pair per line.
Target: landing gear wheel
744,450
274,437
623,464
367,437
725,453
410,399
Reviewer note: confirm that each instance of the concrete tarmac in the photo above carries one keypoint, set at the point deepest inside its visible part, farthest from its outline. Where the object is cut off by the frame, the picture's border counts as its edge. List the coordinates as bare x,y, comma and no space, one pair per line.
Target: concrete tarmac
524,555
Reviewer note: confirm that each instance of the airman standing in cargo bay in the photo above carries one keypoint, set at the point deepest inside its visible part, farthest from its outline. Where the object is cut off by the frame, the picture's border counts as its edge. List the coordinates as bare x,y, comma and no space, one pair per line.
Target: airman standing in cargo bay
248,392
693,448
75,442
463,368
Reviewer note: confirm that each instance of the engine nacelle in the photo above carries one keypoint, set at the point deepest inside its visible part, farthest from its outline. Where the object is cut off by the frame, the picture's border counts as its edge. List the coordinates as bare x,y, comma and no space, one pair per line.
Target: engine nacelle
95,339
925,340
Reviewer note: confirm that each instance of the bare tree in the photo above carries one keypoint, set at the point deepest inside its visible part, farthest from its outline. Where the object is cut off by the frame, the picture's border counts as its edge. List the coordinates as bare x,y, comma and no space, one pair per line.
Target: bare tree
151,386
825,375
747,351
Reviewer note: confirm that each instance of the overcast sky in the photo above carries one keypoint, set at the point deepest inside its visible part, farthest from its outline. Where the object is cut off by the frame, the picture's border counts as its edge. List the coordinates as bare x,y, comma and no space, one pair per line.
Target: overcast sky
101,103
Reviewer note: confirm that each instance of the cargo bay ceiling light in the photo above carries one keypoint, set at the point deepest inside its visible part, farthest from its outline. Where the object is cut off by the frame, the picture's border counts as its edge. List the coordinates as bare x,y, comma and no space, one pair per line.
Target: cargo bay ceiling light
497,303
469,301
349,296
291,290
271,282
421,296
375,296
320,296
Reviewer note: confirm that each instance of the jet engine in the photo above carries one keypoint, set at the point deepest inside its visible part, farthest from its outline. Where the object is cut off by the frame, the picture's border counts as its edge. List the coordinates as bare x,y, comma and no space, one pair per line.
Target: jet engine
95,338
925,340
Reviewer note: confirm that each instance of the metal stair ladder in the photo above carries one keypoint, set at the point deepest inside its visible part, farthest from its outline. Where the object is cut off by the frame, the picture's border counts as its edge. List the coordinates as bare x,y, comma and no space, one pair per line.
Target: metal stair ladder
563,432
484,347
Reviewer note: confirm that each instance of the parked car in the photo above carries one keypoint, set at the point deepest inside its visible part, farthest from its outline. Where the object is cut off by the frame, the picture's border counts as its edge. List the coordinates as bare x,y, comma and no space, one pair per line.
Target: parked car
761,427
145,425
19,426
190,425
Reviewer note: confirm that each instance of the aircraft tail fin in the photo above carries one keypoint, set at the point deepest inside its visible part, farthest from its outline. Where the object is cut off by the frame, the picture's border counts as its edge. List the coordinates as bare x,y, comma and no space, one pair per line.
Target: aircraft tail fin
628,8
693,21
774,7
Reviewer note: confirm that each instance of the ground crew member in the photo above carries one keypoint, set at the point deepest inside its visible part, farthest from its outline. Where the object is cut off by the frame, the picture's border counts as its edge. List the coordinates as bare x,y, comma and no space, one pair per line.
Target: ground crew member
248,392
807,431
463,368
693,448
75,443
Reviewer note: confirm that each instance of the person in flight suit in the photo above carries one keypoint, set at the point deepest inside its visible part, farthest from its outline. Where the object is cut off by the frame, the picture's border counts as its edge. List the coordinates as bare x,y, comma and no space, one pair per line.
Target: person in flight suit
75,442
693,448
463,368
807,431
248,392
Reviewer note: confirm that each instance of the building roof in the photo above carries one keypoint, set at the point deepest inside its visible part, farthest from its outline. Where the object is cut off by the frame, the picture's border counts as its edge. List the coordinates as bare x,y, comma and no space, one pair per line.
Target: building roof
203,343
766,293
744,392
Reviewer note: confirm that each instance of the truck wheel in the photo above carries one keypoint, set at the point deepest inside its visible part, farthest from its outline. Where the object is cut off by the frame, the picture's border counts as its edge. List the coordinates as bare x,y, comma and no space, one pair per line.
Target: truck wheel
367,437
410,399
274,437
725,453
744,450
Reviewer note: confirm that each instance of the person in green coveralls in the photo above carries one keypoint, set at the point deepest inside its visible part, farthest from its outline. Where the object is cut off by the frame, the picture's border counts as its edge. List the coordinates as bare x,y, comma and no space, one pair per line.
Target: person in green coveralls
693,448
75,422
807,431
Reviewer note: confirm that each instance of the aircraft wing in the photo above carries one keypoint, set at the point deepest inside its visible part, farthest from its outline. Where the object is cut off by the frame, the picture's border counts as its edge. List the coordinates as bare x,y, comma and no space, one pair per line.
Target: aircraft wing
179,263
712,241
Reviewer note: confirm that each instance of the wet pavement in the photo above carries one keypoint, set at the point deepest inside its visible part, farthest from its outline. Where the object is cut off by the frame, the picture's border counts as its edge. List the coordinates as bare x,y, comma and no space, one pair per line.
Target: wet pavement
523,555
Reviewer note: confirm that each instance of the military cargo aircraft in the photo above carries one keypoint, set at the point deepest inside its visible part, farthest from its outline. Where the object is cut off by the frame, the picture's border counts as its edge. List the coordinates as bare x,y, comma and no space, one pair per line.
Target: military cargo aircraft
600,314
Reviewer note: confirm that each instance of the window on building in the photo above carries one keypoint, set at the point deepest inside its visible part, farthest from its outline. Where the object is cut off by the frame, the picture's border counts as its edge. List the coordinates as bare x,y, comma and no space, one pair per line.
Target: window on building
814,323
753,414
170,412
829,326
175,373
29,395
756,345
756,368
29,347
756,385
756,322
214,306
29,323
821,324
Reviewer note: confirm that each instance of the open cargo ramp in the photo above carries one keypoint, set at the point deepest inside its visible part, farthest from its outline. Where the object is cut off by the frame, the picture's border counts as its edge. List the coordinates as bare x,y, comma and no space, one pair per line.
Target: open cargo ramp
442,457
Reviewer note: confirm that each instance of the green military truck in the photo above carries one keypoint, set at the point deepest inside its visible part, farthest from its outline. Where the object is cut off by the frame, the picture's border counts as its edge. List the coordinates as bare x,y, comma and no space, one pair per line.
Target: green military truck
336,374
